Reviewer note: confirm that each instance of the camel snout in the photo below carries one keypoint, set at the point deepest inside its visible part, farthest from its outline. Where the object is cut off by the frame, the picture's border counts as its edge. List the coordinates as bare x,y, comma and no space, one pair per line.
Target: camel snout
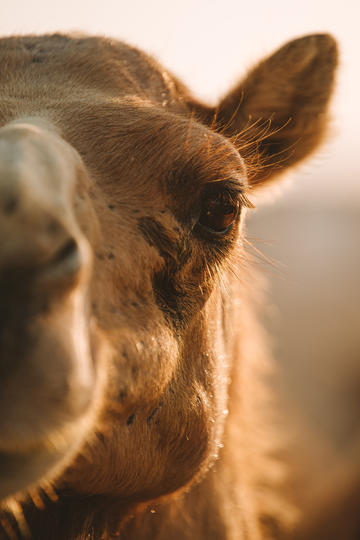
39,237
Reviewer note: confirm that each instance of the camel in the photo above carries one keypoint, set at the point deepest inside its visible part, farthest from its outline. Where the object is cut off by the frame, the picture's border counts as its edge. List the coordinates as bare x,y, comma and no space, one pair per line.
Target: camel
133,367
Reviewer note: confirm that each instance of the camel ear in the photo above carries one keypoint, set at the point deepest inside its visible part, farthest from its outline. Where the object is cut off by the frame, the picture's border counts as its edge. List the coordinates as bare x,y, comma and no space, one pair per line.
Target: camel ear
278,115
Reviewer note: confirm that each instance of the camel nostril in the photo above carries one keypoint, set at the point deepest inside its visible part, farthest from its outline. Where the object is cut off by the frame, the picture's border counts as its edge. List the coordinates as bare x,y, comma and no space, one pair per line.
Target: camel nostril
65,263
10,205
67,252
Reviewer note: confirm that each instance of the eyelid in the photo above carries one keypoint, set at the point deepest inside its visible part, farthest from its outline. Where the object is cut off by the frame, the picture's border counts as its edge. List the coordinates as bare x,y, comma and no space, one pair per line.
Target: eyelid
225,190
231,186
216,233
241,194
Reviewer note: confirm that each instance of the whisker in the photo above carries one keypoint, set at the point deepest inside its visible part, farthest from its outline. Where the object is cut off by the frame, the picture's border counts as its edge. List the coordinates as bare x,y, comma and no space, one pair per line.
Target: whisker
189,131
214,119
228,124
269,260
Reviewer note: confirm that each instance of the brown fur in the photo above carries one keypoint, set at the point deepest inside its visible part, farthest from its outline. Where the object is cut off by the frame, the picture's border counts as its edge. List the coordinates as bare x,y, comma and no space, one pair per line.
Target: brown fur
160,433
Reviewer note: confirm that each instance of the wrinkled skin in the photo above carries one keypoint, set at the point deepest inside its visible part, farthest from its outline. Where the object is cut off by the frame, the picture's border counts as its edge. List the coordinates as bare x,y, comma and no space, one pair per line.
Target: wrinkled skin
125,333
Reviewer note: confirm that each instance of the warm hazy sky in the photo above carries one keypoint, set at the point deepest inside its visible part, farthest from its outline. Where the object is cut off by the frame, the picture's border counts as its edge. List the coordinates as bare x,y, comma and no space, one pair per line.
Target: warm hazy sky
210,42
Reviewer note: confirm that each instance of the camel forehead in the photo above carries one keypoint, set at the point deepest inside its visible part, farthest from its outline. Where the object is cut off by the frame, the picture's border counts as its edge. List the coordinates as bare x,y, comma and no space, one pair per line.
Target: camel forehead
69,65
60,50
107,100
135,136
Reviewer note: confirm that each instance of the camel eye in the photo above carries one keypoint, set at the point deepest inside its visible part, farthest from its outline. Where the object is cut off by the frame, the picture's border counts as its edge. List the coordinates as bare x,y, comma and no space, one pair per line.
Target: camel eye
219,213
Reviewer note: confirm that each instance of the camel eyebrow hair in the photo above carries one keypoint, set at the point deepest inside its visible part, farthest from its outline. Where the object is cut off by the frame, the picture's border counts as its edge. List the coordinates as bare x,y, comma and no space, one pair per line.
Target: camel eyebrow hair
202,175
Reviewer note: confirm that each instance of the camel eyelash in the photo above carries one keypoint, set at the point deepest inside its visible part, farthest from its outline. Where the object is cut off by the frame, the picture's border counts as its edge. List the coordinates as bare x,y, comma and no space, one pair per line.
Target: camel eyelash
231,188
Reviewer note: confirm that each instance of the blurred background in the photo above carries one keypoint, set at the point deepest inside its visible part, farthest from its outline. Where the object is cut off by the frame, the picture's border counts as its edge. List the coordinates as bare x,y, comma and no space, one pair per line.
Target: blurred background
311,230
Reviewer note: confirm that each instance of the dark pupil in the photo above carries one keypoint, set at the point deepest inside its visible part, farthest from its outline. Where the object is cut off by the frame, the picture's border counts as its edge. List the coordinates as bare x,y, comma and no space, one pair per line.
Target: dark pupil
218,215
